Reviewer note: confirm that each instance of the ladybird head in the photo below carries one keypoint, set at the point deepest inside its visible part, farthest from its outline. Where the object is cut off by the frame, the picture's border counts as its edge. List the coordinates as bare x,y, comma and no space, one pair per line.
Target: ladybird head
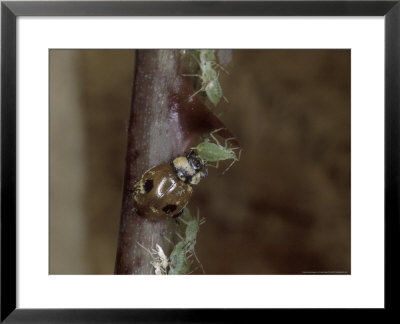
190,168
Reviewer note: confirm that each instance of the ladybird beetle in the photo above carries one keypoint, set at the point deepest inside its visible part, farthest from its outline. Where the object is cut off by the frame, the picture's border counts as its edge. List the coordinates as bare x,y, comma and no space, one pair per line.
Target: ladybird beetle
163,191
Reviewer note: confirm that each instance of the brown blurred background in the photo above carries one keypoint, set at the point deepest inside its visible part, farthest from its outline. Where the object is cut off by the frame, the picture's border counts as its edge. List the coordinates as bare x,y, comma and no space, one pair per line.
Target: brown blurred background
283,209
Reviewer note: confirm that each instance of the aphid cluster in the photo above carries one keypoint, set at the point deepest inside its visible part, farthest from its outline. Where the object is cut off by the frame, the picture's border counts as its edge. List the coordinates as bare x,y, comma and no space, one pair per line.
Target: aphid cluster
184,250
179,261
209,76
215,152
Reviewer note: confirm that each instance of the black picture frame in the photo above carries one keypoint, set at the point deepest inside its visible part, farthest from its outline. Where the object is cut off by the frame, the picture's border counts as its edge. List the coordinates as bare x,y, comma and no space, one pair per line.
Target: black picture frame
9,13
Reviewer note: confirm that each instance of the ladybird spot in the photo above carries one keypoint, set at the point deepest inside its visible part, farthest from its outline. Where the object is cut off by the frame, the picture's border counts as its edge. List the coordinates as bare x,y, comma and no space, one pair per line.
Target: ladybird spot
169,208
148,185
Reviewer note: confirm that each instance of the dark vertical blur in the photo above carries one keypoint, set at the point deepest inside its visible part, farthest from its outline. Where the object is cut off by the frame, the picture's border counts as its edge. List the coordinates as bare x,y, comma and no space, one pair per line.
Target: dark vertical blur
283,209
95,87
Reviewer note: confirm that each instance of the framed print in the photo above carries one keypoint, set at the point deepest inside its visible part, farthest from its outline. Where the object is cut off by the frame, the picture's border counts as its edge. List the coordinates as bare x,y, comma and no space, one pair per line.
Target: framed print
253,142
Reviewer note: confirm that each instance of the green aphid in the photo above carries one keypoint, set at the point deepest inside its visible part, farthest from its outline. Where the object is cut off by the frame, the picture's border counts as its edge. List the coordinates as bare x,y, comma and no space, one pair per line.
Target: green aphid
204,55
192,226
208,60
178,258
215,152
212,152
209,76
214,91
211,86
186,267
191,230
207,55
